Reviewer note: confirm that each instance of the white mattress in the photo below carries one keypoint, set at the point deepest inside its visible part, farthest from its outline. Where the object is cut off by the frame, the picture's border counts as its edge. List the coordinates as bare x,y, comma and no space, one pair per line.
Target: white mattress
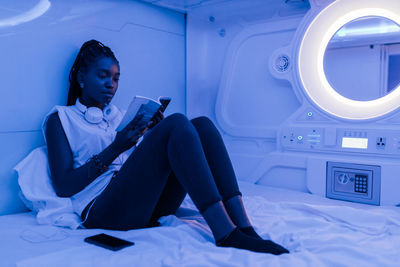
317,231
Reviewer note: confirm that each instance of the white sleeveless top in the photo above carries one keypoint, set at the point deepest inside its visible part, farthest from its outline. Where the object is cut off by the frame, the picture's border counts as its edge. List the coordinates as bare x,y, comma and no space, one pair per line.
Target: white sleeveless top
86,140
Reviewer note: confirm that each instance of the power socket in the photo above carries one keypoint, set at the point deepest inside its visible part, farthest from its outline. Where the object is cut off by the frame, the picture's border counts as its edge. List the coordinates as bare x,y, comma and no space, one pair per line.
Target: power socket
380,142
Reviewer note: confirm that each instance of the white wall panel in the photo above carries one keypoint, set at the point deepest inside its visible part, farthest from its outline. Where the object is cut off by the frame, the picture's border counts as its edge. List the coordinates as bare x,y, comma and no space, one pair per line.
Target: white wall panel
13,147
251,99
229,80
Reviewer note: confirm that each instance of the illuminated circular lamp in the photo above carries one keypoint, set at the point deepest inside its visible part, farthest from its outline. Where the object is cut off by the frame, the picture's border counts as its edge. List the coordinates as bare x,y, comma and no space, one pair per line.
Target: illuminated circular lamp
38,10
311,58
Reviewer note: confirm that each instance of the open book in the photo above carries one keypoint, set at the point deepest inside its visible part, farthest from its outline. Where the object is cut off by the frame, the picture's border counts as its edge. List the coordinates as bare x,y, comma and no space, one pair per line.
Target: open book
141,105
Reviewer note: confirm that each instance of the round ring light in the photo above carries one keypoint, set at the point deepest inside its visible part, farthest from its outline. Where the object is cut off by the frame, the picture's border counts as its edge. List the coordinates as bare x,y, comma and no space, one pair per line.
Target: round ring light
311,58
38,10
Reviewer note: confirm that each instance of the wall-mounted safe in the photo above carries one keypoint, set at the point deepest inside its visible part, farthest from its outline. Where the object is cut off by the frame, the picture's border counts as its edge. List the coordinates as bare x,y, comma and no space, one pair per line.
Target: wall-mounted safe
353,182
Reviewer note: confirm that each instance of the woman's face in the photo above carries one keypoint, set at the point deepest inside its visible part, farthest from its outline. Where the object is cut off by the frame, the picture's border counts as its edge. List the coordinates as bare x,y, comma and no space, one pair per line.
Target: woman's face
100,83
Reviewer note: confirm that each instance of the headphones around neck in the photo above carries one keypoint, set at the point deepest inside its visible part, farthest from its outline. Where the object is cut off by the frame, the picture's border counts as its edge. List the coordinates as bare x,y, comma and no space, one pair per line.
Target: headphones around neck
95,115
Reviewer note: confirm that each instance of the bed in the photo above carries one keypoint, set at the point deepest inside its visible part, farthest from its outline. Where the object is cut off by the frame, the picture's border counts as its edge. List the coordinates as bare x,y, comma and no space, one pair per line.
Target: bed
318,232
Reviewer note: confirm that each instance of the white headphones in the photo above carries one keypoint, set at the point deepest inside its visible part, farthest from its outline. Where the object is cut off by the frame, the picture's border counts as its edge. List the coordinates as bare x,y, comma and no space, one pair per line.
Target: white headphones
95,115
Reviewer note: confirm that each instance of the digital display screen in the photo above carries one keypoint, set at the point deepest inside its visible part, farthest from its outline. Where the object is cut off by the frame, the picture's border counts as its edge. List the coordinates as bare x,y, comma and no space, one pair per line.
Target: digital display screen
351,142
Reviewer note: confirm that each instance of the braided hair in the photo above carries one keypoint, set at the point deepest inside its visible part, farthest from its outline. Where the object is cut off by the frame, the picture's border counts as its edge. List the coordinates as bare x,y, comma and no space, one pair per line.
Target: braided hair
90,52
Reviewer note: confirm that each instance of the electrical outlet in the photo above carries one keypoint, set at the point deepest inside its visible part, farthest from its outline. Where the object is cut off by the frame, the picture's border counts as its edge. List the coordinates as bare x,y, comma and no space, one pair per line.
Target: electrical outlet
380,142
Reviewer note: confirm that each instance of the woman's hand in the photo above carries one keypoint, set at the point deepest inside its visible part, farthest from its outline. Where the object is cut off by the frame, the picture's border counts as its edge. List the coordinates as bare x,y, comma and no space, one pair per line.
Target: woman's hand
159,116
130,135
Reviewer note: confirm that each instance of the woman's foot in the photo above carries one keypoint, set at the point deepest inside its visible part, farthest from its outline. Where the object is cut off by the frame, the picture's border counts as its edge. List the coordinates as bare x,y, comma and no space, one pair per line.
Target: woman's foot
237,239
249,230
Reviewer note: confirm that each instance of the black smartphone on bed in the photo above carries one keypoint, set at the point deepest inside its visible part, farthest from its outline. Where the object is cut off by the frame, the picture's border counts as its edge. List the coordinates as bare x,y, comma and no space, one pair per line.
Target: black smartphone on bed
108,242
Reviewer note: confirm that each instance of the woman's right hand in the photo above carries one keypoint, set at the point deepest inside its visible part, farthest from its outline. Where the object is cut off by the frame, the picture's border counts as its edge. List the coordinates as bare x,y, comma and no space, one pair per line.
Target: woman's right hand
130,135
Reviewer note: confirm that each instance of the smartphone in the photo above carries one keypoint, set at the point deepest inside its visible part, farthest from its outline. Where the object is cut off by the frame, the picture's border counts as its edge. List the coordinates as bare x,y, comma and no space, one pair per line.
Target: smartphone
108,242
164,102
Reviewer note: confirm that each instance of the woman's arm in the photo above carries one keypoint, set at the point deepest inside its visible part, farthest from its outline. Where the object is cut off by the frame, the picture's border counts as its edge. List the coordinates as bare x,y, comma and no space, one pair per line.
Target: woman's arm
66,180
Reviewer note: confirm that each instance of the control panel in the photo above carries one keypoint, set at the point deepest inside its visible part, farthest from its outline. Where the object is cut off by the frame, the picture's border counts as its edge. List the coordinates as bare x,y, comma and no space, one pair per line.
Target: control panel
353,182
374,141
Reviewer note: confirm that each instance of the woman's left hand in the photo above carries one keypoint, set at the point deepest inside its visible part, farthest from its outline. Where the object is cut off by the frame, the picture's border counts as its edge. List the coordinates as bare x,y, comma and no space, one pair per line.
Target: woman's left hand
159,116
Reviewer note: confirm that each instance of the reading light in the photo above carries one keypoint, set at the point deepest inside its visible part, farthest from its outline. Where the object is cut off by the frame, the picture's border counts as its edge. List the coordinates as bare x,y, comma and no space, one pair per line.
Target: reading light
38,10
311,57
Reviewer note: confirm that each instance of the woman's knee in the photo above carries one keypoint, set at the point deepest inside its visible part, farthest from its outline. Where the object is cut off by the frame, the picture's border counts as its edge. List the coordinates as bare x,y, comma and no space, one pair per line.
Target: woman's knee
203,124
181,118
177,118
202,120
179,124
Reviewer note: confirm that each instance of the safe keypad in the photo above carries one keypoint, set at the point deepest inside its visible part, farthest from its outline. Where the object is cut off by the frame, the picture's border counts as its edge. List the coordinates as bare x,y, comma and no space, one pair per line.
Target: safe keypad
360,184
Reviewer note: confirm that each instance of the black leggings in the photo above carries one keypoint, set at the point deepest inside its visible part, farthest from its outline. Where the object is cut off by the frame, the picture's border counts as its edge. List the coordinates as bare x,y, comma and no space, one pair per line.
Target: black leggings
177,157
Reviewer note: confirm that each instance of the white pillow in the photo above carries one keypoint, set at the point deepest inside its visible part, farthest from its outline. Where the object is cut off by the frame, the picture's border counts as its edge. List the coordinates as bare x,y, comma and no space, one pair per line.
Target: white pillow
39,195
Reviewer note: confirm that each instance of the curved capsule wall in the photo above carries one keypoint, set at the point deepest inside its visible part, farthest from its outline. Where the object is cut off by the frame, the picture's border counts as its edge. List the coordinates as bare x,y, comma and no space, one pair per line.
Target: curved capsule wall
38,51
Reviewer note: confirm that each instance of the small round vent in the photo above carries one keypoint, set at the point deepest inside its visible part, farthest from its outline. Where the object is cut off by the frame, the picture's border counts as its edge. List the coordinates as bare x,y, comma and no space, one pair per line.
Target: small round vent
282,63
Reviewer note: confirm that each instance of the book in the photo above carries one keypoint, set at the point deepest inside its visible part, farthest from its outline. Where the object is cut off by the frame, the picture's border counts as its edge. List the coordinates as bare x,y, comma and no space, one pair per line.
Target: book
141,105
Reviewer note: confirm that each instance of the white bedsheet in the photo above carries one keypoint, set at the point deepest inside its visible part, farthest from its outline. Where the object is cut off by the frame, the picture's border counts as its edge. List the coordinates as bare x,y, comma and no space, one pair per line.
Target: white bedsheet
317,231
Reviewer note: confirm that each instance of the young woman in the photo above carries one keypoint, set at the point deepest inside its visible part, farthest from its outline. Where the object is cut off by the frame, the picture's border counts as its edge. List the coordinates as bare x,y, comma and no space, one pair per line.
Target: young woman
117,183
